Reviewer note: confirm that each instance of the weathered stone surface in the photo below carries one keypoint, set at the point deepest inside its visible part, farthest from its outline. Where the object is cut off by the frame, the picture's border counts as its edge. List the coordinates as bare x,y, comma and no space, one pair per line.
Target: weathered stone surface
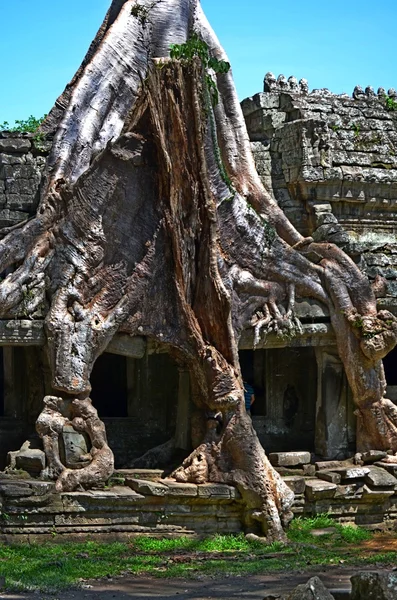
374,586
180,489
15,489
389,467
13,144
349,473
216,490
147,488
377,494
145,474
330,476
378,477
349,491
331,465
317,489
314,589
372,456
74,448
289,459
295,483
32,461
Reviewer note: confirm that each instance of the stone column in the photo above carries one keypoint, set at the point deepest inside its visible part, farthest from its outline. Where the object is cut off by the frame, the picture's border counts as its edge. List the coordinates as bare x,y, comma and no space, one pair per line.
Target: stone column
334,410
182,428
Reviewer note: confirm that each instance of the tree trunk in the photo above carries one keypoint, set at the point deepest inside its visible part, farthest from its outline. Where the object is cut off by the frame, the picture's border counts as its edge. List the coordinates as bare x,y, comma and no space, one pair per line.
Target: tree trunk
153,221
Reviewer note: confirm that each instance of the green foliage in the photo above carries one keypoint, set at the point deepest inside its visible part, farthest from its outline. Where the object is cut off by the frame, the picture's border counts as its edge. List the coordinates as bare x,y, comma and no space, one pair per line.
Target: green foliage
196,47
29,125
356,128
142,12
390,103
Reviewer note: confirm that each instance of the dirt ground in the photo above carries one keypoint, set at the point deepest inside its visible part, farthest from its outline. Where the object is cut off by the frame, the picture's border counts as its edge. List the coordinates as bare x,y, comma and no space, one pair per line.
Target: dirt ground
257,587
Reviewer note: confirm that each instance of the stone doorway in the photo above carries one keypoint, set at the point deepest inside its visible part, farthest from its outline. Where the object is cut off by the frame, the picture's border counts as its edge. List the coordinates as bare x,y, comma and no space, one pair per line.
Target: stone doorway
390,366
285,385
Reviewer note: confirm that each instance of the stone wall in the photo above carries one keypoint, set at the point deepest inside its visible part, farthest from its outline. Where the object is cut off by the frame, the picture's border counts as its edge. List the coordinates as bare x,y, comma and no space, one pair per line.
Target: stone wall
331,161
141,502
318,147
22,160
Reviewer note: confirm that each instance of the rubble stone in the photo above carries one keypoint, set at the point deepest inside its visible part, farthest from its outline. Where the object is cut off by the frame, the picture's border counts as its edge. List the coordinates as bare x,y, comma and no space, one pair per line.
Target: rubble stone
378,477
378,586
289,459
295,483
316,489
372,456
314,589
32,461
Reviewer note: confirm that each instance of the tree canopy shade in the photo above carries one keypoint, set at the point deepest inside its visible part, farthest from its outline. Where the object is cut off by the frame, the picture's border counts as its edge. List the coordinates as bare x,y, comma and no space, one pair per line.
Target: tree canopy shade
153,221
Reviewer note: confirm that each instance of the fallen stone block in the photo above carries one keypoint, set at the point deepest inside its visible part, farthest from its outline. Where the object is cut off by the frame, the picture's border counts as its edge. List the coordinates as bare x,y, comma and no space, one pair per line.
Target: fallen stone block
329,476
331,465
390,467
317,489
349,491
376,495
378,477
348,474
372,456
147,488
379,586
309,470
32,461
290,471
314,589
295,483
289,459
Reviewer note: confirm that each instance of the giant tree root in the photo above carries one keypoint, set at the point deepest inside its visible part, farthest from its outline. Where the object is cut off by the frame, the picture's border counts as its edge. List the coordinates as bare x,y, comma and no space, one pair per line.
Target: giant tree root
83,417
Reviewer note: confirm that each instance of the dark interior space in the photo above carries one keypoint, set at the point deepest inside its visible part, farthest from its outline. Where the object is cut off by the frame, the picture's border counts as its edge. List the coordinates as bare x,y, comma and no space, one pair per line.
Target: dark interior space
390,365
1,383
109,386
252,365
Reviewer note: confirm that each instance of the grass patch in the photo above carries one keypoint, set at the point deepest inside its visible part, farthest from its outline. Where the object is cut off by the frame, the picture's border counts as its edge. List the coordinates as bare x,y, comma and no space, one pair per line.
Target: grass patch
54,567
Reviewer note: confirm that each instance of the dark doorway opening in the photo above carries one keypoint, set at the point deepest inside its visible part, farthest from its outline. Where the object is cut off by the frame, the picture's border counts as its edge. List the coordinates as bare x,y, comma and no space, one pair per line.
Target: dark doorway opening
390,366
109,386
1,383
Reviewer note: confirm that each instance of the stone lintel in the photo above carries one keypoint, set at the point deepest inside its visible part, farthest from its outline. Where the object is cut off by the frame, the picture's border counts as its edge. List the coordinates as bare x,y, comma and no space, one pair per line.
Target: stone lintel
314,334
25,332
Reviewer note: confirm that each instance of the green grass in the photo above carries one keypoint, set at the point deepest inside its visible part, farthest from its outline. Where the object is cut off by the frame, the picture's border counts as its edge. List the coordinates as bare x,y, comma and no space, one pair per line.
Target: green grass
54,567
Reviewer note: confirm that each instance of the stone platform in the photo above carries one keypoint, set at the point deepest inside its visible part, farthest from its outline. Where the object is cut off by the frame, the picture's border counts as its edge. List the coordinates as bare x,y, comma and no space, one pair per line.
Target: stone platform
140,502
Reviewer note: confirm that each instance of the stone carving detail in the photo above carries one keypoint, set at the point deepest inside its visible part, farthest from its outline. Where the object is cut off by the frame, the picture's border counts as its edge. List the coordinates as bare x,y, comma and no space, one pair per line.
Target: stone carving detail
269,83
281,83
304,86
358,92
64,426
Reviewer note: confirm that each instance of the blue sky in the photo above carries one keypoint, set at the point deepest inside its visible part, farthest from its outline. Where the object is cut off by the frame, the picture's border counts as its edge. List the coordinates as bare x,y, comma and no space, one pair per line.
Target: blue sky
335,44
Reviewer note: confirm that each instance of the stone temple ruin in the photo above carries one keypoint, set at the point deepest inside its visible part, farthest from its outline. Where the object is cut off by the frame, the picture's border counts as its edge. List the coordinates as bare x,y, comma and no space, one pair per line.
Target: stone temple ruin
331,161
